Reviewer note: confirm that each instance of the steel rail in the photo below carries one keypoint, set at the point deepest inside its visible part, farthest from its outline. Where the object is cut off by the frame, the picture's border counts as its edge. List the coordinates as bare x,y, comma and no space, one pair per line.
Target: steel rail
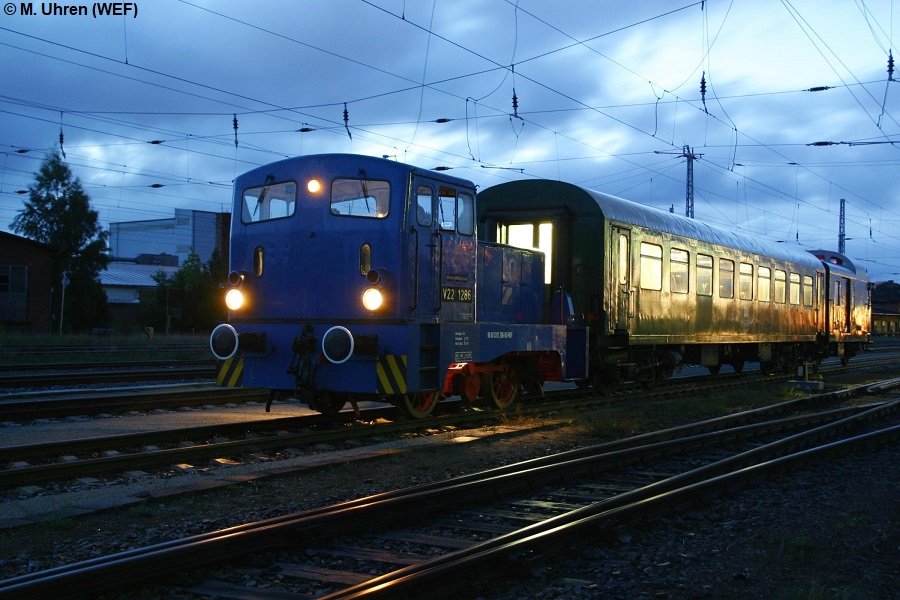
93,575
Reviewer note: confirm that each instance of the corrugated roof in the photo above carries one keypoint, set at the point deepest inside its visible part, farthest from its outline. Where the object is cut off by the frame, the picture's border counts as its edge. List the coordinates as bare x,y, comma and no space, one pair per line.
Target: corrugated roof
132,275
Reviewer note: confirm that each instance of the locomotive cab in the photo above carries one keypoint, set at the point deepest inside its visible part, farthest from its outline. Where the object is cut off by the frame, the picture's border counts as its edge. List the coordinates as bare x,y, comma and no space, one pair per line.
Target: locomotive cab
357,278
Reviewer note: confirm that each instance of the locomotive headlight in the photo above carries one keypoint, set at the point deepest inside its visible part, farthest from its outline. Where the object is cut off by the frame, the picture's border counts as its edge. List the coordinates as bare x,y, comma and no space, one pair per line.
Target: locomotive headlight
234,299
314,186
372,299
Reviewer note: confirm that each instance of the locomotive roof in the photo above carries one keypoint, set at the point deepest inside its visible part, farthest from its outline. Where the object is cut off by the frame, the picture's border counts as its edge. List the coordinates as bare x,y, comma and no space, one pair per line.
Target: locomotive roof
338,164
545,194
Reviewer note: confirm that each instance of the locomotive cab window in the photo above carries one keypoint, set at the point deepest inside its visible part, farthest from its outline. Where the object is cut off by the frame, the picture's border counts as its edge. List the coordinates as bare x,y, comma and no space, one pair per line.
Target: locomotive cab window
447,209
274,201
651,266
360,198
424,206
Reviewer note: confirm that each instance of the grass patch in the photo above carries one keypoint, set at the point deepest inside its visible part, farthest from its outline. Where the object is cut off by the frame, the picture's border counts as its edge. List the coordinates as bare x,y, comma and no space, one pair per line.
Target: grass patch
58,524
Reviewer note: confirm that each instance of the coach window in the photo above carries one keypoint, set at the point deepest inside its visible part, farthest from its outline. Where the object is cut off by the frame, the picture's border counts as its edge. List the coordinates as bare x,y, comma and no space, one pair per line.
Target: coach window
360,198
780,279
424,205
764,280
807,290
726,278
704,275
651,266
795,288
679,269
531,236
745,282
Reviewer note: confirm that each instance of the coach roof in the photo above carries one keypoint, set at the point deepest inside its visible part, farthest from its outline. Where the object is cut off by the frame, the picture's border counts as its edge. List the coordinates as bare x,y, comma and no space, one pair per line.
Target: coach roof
580,202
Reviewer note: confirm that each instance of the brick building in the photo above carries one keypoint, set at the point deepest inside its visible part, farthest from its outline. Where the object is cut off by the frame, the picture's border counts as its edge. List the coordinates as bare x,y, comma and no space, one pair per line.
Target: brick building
25,284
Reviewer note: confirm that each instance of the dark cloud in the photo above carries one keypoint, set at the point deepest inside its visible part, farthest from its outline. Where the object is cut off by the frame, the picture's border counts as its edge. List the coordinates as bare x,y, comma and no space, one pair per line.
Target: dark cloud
608,96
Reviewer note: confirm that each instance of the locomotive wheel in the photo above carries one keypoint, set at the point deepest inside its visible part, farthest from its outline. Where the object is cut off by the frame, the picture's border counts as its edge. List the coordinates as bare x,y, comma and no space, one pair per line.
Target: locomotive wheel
606,381
417,405
328,404
501,387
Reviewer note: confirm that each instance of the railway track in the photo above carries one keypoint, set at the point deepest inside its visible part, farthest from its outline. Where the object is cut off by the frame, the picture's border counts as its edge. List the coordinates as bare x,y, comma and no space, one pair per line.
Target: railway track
63,403
49,375
433,538
59,463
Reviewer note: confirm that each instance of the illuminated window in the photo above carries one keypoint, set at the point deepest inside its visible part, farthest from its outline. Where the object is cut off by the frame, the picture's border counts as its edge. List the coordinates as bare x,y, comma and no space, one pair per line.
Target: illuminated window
704,275
764,281
780,279
795,288
532,236
745,282
651,266
679,269
726,278
807,290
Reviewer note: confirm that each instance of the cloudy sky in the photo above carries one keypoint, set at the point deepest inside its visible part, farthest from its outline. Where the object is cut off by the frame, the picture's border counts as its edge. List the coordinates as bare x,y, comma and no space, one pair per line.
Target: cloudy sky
608,96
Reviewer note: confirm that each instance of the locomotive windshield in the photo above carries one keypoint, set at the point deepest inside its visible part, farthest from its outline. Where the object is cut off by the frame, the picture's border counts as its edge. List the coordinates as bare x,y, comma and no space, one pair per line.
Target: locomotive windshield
274,201
360,198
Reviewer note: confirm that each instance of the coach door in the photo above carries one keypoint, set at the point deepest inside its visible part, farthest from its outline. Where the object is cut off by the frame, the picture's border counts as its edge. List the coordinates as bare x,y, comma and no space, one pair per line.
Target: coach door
620,265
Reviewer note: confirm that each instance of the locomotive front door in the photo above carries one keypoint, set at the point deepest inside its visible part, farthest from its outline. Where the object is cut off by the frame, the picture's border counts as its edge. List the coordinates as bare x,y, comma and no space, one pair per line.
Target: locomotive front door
620,267
443,265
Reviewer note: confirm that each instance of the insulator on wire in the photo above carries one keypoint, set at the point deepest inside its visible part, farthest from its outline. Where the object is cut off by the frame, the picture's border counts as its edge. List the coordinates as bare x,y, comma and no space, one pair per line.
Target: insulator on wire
890,66
515,104
61,138
235,132
347,121
703,91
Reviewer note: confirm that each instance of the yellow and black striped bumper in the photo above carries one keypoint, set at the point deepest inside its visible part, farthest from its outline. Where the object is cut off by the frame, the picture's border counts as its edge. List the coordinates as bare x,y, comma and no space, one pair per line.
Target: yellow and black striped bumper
230,373
391,370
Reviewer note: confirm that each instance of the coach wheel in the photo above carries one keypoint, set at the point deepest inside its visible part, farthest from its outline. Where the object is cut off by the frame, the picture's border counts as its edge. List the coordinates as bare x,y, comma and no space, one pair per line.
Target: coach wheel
327,403
501,387
737,365
713,369
768,367
417,405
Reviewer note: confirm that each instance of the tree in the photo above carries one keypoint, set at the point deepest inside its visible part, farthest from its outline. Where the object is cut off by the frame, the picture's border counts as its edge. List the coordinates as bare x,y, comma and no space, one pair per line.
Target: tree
188,300
58,213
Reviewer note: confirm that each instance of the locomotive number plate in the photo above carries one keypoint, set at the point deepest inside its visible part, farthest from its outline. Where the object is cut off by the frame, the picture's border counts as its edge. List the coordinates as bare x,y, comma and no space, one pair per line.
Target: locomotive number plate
456,294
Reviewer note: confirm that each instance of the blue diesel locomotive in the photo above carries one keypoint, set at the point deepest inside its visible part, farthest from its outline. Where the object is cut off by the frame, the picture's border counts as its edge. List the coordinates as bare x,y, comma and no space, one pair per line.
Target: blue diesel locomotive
356,278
